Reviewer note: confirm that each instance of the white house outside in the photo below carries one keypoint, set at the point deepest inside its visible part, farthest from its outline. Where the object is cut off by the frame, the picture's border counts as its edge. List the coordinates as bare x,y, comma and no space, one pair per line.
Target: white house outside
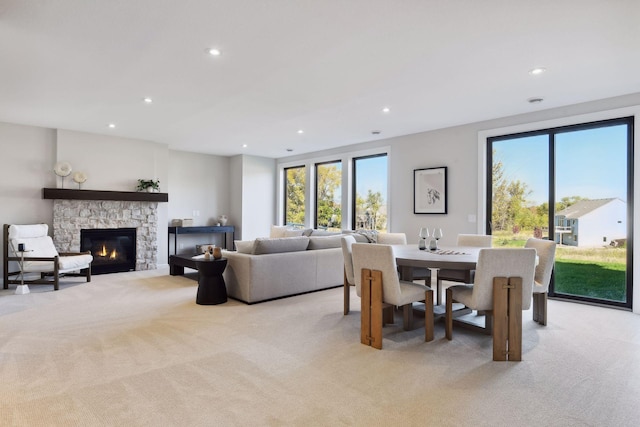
592,223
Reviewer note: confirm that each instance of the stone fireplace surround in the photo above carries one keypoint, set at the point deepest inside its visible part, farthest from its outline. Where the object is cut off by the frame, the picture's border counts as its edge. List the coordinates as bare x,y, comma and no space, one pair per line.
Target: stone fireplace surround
70,216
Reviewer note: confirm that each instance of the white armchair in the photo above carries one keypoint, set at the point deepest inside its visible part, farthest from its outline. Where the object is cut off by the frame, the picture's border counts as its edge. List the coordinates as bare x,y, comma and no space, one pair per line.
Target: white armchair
40,256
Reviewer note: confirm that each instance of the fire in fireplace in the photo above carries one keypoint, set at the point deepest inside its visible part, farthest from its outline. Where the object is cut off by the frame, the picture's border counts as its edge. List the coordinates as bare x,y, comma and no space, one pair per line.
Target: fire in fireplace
113,249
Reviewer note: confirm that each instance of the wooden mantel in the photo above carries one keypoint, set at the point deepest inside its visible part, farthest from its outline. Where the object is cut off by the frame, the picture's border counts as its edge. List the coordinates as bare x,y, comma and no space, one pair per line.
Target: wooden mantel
127,196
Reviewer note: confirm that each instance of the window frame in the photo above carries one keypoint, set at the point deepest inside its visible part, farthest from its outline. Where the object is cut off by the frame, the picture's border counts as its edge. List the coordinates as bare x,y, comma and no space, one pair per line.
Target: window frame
552,132
345,156
354,171
284,194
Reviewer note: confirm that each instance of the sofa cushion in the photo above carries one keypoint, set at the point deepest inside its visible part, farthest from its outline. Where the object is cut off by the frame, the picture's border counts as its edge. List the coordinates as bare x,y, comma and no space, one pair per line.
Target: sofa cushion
325,242
325,233
279,245
244,246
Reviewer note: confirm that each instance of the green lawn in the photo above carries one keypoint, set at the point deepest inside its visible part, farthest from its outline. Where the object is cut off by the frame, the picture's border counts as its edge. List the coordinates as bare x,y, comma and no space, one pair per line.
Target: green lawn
589,272
604,280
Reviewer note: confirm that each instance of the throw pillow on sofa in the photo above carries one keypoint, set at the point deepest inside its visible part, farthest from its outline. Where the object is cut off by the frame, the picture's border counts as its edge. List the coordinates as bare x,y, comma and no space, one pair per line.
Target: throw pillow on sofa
279,230
244,246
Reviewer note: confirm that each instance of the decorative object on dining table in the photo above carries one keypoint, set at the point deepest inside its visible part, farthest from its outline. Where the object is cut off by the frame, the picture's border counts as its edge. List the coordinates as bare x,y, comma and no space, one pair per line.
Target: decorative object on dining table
437,235
422,243
449,252
63,170
79,178
149,185
430,190
222,219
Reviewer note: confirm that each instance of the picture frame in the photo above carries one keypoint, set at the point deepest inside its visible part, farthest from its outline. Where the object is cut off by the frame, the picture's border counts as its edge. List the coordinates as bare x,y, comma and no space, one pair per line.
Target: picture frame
430,190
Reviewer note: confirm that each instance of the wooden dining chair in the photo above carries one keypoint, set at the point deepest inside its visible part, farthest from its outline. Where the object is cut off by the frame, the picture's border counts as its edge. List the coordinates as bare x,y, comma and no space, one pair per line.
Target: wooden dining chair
376,276
546,250
417,273
462,276
493,263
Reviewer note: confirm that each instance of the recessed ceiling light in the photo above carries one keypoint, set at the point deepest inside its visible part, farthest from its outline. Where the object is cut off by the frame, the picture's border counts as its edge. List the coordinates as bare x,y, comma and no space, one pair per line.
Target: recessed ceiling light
147,100
376,132
289,150
535,100
300,131
244,146
537,71
112,125
213,51
386,109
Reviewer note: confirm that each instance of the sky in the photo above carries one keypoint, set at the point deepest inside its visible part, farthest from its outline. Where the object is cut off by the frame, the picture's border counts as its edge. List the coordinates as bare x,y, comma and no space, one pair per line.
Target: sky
372,174
589,163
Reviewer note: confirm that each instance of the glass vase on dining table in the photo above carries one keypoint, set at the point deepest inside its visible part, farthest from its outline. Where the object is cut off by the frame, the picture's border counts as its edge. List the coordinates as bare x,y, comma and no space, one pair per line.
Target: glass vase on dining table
437,235
423,233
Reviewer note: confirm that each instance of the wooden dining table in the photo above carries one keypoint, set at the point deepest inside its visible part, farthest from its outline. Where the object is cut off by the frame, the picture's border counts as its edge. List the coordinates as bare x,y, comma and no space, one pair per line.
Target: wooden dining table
409,257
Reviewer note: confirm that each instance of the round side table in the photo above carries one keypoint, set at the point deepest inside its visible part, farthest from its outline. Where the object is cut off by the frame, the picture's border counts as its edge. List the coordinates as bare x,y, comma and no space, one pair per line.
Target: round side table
211,287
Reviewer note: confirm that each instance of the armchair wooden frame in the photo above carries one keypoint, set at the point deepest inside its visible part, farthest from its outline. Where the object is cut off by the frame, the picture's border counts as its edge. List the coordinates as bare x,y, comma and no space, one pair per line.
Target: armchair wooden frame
51,277
504,321
373,307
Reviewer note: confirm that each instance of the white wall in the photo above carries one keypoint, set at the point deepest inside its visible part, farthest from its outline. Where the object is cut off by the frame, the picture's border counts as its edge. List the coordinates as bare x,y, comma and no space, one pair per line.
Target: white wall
28,156
235,194
112,163
198,187
258,196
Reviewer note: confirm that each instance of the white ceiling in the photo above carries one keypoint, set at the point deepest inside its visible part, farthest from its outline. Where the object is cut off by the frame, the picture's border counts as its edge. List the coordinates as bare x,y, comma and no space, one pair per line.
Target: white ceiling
325,66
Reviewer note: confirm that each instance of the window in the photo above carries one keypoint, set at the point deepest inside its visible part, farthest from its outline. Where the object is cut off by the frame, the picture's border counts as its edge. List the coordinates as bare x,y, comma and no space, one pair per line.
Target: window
370,192
570,184
294,195
348,190
329,195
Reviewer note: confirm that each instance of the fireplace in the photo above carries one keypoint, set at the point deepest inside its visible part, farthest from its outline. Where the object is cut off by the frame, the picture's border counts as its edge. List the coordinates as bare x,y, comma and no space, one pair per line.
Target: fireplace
113,249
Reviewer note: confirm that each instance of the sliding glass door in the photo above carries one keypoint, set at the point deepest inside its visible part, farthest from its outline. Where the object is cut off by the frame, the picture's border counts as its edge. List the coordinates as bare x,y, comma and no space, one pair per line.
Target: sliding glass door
572,185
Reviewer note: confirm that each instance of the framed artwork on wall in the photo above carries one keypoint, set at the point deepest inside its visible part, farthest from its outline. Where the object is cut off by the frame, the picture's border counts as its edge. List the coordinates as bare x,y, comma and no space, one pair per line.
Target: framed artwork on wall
430,190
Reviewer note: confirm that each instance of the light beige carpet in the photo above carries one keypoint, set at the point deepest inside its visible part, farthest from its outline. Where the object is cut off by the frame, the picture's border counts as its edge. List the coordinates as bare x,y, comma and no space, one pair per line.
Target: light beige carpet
133,349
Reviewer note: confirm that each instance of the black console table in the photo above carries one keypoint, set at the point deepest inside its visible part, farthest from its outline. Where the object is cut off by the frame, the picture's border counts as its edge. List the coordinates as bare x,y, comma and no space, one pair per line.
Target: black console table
225,229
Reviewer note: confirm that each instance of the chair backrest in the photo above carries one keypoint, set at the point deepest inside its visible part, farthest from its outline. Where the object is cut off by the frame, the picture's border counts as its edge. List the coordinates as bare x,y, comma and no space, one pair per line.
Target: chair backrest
36,242
35,238
475,240
503,262
392,238
378,257
347,242
546,250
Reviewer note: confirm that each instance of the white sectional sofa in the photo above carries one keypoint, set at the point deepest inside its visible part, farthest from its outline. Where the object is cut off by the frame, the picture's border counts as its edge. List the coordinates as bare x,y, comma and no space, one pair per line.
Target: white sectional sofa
270,268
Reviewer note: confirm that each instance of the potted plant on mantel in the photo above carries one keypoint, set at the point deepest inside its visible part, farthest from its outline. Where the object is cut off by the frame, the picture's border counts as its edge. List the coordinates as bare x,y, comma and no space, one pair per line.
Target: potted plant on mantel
149,185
